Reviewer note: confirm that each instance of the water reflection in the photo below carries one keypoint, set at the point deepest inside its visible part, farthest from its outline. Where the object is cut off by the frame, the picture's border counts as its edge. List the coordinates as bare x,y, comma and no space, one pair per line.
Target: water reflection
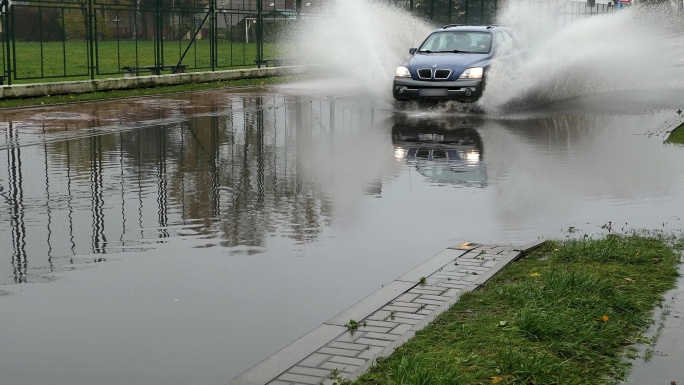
233,175
445,150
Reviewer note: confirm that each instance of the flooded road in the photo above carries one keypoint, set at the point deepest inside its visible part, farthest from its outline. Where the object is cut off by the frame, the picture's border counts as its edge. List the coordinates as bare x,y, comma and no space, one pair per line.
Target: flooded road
182,239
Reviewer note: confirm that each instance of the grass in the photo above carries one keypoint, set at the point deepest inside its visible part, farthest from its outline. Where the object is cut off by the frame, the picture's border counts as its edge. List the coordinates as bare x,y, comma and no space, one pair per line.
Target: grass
676,136
140,92
568,313
56,60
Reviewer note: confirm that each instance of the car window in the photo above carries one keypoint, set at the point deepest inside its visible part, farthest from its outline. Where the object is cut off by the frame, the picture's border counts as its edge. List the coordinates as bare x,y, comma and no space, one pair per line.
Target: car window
503,43
475,42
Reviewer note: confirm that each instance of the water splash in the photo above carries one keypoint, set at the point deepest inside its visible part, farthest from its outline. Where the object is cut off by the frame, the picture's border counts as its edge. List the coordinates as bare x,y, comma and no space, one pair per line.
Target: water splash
624,50
358,42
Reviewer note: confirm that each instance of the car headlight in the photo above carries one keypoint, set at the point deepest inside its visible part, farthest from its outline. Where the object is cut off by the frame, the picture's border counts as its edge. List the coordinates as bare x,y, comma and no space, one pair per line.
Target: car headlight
402,72
472,73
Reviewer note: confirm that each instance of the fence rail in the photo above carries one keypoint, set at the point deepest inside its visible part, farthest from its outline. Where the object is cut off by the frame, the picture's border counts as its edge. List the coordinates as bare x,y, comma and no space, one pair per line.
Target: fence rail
44,40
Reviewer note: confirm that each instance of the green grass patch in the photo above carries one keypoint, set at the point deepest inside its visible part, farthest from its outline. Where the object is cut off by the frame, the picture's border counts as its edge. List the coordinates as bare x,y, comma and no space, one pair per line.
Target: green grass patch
676,136
140,92
68,60
568,313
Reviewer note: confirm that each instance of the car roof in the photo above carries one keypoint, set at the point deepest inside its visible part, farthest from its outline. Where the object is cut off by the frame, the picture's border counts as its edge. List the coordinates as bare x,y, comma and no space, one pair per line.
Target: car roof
470,28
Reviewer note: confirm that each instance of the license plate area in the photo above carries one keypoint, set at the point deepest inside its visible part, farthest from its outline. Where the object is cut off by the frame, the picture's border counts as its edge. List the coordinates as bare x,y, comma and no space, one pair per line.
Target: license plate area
433,92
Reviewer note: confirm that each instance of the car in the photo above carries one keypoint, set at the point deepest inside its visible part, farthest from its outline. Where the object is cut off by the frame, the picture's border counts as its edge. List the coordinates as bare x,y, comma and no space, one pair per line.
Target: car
452,63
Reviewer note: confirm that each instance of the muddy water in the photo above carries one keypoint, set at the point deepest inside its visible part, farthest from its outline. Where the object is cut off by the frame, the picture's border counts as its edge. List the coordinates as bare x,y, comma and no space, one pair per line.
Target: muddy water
182,239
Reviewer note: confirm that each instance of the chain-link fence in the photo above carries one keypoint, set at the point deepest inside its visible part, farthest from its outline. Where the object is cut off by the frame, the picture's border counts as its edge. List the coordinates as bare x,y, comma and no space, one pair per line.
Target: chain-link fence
88,39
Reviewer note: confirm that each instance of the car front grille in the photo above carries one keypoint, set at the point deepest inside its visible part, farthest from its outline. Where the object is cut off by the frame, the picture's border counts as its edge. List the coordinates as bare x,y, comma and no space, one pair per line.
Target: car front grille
425,73
442,74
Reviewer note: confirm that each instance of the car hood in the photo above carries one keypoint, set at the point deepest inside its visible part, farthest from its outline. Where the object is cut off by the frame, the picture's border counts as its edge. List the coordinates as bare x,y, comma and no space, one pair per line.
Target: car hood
457,62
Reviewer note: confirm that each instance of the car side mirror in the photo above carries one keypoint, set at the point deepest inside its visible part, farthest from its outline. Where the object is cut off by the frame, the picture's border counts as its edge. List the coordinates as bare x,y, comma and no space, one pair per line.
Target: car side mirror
412,50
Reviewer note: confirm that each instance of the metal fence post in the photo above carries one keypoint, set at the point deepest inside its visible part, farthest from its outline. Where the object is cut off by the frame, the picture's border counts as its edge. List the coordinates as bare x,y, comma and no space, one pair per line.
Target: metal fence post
451,6
260,33
467,11
158,37
91,34
482,15
214,36
6,19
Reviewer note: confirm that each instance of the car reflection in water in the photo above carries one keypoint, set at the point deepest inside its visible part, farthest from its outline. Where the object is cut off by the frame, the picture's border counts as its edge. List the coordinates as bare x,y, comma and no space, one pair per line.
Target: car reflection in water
444,150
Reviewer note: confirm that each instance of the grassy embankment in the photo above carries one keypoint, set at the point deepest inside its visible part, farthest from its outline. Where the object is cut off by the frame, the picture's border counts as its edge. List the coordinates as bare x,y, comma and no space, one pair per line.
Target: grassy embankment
568,313
676,136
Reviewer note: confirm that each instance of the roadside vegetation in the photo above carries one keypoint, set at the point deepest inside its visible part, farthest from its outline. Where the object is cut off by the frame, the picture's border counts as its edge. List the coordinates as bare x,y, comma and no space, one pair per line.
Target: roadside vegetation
140,92
569,313
676,136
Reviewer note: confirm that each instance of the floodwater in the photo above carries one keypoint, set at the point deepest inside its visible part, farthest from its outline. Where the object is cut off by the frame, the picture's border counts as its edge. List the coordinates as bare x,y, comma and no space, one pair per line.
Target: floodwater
182,239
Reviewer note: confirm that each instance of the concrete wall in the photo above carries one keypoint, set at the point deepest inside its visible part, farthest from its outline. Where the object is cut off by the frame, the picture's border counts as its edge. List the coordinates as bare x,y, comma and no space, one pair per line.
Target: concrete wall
57,88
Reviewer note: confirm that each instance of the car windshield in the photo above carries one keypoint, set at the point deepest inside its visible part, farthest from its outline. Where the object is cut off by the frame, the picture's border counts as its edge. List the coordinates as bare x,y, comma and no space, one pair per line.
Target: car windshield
457,41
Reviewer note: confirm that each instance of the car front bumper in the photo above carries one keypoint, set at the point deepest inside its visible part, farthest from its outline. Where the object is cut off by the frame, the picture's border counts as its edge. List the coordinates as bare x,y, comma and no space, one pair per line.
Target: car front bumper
410,89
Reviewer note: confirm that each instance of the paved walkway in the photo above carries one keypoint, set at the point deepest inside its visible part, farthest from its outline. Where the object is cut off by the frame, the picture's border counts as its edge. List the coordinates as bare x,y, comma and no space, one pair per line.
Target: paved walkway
386,319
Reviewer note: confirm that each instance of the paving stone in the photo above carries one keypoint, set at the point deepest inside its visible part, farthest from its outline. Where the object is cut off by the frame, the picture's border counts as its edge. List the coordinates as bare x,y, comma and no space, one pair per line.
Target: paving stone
453,285
314,360
338,351
375,329
401,329
472,277
407,297
279,382
430,301
448,268
300,378
470,263
491,255
448,276
407,304
346,368
374,342
407,315
426,290
370,353
380,315
490,264
346,345
350,336
441,298
402,308
348,360
309,371
410,321
381,323
381,336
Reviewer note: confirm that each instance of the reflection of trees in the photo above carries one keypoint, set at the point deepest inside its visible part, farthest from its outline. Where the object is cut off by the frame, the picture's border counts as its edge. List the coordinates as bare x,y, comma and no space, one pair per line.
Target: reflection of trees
233,177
